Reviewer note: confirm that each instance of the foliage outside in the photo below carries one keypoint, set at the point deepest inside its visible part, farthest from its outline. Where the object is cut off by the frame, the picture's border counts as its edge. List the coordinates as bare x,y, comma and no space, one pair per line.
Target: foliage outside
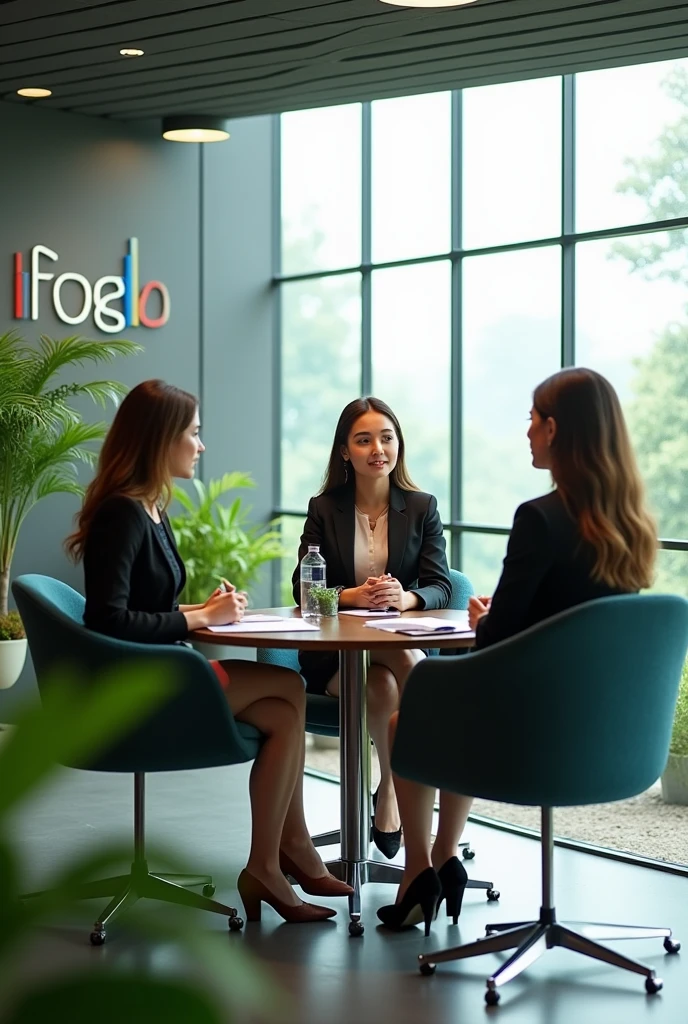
217,541
42,437
11,627
79,717
679,735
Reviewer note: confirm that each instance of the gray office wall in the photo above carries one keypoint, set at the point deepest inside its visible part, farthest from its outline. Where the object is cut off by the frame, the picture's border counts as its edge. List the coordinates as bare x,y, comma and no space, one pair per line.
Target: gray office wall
83,187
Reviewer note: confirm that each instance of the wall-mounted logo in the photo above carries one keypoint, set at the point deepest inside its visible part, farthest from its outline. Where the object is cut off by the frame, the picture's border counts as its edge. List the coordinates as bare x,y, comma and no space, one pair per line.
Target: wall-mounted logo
96,298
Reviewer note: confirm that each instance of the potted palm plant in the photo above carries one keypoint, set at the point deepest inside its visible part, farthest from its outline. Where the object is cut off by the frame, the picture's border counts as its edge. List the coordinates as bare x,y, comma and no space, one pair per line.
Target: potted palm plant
675,775
42,437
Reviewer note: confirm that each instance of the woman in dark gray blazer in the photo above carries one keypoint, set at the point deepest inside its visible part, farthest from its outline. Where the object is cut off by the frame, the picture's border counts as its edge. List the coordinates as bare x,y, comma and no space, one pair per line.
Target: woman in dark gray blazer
383,544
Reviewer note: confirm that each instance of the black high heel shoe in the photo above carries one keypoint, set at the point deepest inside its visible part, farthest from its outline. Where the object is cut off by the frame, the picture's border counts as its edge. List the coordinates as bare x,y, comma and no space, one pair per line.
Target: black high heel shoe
453,879
388,843
419,903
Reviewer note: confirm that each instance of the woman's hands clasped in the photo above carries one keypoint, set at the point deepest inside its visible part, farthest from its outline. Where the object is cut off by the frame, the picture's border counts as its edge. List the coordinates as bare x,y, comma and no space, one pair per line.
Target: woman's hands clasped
477,607
225,605
380,592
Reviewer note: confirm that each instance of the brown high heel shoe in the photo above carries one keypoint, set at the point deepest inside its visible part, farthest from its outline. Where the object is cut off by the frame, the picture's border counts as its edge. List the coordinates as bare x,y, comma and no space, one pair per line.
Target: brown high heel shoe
253,893
326,885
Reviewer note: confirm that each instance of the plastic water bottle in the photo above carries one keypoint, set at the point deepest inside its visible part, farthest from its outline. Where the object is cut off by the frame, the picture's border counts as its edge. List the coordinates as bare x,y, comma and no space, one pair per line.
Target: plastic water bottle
312,574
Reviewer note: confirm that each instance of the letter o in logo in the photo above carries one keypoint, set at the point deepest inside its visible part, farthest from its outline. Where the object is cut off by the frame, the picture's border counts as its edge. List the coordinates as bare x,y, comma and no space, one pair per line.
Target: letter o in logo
164,299
57,301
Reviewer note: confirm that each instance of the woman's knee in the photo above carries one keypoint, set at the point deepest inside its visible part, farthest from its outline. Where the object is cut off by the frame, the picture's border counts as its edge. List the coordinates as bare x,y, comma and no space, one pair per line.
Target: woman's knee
275,716
290,687
382,690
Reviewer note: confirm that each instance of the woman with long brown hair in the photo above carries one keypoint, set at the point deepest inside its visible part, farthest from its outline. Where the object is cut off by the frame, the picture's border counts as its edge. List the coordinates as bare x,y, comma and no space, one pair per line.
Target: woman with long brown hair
383,545
590,537
133,575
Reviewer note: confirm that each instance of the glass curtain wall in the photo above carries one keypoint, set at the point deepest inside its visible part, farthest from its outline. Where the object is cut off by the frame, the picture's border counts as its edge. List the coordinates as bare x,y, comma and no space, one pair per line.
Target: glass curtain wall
448,251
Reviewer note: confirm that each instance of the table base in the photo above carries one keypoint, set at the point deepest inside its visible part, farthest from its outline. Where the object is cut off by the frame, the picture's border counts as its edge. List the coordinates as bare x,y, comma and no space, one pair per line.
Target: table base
356,874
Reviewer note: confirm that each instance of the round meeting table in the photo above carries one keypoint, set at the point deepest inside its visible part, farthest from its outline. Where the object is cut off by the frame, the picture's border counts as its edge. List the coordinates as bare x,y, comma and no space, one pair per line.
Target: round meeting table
352,639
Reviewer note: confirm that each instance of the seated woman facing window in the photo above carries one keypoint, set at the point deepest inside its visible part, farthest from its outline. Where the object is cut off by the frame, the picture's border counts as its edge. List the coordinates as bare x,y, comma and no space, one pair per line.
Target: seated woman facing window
589,537
133,575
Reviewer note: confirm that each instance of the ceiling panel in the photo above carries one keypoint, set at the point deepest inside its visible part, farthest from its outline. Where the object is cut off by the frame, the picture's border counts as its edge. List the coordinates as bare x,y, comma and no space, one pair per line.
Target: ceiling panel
242,57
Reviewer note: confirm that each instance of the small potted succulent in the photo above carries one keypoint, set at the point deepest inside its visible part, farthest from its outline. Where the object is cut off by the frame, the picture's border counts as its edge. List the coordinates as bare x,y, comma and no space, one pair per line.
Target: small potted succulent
12,649
675,775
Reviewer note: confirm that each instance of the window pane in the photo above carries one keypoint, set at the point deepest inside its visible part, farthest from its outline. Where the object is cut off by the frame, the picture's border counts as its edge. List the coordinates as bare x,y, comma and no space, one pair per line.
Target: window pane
632,326
482,555
631,149
321,189
411,176
321,371
511,162
291,528
511,341
411,366
671,573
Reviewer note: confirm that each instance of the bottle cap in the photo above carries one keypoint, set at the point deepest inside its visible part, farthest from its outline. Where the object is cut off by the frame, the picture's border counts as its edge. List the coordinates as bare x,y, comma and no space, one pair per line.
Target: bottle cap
314,547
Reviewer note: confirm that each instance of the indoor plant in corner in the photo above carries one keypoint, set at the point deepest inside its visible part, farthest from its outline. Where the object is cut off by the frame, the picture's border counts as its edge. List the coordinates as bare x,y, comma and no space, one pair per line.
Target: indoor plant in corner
42,437
12,649
675,775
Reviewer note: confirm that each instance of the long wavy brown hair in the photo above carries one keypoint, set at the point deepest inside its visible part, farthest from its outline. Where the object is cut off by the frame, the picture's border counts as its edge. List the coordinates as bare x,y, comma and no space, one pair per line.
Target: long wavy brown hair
134,459
596,473
337,474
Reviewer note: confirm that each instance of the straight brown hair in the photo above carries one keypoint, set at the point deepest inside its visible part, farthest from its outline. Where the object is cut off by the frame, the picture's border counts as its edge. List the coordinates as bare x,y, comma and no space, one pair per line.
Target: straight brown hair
596,473
134,459
336,474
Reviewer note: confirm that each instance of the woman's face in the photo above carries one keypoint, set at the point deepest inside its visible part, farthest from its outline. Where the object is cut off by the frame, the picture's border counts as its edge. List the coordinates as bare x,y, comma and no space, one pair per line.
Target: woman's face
186,449
372,447
541,434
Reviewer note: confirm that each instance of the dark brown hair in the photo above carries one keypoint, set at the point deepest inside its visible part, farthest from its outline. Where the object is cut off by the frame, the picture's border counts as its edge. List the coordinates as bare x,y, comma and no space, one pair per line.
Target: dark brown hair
336,473
596,473
134,459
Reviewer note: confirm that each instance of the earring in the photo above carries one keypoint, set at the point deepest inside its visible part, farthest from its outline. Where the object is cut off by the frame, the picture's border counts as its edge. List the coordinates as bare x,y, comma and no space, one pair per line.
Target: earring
346,471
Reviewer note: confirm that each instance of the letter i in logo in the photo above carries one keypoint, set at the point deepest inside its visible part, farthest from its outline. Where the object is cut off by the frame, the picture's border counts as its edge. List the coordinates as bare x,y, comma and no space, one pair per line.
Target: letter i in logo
131,284
21,289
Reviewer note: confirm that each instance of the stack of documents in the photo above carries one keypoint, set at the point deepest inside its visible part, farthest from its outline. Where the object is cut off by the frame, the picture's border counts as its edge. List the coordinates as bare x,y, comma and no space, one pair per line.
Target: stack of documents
426,626
266,624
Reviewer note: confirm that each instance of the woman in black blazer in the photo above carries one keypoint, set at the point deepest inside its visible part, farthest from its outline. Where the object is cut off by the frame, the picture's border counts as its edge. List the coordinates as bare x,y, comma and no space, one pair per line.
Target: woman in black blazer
590,537
383,545
133,577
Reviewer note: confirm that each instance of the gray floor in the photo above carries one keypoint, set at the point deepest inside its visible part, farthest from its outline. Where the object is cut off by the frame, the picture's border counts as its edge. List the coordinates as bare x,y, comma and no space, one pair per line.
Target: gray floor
325,975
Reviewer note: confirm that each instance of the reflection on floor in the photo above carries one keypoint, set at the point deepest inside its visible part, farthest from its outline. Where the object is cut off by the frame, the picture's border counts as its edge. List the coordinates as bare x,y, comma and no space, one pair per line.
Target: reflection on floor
329,976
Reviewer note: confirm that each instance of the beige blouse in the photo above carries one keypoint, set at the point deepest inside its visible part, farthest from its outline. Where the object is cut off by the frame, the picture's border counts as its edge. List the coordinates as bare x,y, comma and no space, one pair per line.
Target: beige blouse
370,547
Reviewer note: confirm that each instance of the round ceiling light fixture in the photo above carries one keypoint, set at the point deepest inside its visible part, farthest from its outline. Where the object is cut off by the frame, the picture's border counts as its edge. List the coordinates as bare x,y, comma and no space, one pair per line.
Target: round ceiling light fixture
131,51
34,94
194,128
428,3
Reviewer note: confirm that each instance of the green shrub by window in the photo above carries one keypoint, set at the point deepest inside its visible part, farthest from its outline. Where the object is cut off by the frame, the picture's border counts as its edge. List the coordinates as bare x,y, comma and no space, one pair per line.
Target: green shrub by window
679,735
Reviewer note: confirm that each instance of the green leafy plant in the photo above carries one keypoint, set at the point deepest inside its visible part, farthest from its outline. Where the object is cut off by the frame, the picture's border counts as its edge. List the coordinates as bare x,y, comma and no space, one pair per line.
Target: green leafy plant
216,540
679,734
79,717
11,627
327,599
42,437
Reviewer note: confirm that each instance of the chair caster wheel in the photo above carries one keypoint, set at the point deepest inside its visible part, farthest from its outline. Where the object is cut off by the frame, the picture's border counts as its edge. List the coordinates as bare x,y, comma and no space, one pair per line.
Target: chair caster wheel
235,924
97,938
492,997
671,946
467,853
209,890
492,895
356,929
653,985
427,969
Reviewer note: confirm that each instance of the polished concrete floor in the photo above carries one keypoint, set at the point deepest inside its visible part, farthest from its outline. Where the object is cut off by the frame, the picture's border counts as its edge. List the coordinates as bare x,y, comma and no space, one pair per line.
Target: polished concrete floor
326,976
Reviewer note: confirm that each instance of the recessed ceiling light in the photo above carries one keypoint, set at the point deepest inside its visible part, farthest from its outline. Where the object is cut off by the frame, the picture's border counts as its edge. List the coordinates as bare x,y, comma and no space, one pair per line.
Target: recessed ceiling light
131,51
34,94
194,128
427,3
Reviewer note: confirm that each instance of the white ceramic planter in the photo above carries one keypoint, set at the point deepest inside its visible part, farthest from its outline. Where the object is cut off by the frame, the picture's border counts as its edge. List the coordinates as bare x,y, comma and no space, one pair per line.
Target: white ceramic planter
675,780
12,658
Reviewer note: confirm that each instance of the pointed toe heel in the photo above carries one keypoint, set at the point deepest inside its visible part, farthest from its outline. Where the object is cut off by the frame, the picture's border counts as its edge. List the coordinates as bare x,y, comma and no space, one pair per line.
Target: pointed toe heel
420,903
453,879
254,893
388,843
327,885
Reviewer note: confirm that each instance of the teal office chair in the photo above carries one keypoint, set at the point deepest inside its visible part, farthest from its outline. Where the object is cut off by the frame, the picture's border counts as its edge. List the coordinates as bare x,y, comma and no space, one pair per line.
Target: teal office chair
195,729
585,704
322,713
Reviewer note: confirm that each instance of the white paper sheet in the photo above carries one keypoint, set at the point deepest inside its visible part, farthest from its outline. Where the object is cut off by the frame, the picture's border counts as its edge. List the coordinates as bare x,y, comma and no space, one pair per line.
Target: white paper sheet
272,626
428,625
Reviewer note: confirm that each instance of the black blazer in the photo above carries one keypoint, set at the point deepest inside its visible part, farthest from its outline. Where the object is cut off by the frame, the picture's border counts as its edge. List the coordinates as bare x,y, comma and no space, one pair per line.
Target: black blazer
129,582
416,550
547,569
416,556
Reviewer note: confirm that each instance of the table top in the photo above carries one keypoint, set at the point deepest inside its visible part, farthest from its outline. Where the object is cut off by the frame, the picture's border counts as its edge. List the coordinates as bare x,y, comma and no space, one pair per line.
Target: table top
344,633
